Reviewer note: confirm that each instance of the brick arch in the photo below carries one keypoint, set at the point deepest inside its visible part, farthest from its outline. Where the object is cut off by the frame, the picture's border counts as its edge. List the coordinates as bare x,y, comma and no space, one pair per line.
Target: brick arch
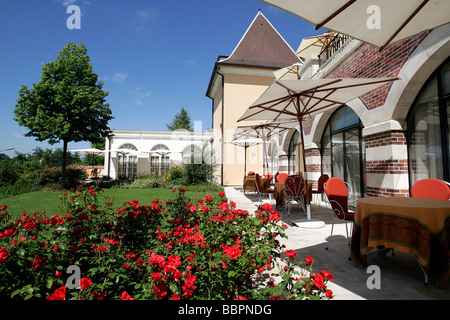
428,56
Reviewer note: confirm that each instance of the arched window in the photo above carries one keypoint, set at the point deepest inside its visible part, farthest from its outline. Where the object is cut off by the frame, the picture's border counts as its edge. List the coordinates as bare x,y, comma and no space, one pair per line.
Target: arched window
343,148
428,129
293,151
127,161
159,160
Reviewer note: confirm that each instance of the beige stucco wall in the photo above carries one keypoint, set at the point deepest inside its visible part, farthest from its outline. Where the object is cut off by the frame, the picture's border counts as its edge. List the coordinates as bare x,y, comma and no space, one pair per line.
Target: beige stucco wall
241,88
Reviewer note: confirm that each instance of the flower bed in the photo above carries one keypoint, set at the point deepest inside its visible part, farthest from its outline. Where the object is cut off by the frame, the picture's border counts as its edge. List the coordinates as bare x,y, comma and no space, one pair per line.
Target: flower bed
180,249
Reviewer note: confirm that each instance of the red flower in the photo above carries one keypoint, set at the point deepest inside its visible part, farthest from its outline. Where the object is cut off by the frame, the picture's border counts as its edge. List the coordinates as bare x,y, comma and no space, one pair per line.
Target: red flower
327,275
233,252
221,194
98,295
174,296
126,296
318,281
160,290
157,276
188,287
4,254
85,283
309,260
37,262
329,294
291,254
59,294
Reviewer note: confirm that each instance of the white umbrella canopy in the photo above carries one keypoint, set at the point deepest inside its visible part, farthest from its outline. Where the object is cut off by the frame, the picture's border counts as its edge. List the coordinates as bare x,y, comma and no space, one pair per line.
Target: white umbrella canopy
263,131
378,22
313,46
90,151
288,73
294,99
246,143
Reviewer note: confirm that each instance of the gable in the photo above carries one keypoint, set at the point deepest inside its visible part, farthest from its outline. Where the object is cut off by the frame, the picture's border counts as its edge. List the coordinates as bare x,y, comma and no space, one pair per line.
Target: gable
262,46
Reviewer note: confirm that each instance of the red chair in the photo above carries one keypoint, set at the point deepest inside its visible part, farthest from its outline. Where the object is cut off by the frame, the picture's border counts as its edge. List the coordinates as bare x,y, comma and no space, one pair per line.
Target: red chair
431,189
269,176
321,184
337,194
260,190
294,189
282,177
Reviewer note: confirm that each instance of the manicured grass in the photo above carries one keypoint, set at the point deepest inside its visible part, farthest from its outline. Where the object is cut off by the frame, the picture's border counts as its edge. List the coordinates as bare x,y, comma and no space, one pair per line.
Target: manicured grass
49,201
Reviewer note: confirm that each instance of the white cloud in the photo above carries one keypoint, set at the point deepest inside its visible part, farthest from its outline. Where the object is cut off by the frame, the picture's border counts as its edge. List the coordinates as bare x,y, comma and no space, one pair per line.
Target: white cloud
190,62
119,77
141,18
138,95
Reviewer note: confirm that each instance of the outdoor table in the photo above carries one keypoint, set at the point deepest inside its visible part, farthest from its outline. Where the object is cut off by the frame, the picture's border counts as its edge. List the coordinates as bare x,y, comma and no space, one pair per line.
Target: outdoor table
250,183
416,226
278,194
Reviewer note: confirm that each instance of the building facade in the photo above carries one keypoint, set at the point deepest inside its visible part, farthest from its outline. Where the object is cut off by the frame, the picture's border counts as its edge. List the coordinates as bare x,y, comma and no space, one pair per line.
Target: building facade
129,153
236,82
380,143
384,141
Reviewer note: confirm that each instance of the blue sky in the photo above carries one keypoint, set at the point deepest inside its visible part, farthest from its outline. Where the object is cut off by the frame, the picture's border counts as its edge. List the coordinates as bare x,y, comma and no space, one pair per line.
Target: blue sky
154,57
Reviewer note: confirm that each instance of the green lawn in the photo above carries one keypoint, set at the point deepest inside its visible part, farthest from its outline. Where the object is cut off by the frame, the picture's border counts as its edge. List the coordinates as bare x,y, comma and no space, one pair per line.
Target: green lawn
49,201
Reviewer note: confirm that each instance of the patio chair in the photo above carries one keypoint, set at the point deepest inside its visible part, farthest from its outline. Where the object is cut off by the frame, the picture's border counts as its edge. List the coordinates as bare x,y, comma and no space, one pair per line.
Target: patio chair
338,195
431,189
294,189
282,177
270,177
260,190
321,184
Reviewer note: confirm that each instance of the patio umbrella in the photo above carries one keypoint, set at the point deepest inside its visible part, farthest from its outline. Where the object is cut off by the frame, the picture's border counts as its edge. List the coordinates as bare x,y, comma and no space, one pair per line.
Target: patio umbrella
162,153
296,99
313,46
263,131
90,151
124,152
378,22
246,143
288,73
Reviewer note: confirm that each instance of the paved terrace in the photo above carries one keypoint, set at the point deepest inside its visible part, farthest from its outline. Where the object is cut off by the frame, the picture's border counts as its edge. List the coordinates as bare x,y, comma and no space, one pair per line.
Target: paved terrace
401,275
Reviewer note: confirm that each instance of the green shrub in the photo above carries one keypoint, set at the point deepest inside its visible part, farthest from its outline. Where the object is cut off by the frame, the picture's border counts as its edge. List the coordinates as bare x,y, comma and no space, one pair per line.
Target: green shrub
145,182
174,177
53,176
182,249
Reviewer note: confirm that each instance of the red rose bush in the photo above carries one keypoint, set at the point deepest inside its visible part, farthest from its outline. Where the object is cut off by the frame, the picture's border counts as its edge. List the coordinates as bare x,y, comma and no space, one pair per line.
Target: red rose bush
180,249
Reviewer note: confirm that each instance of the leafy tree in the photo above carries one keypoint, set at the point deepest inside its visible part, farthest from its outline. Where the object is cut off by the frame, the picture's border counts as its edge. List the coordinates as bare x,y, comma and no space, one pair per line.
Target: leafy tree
181,121
67,104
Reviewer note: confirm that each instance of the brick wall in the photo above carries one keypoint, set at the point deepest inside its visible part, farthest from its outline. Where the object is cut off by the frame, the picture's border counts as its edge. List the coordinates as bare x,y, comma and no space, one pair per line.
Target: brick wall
368,62
387,166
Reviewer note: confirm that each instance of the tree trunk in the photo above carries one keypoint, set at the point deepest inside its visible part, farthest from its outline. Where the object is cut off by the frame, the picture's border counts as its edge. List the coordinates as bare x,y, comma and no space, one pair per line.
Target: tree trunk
64,164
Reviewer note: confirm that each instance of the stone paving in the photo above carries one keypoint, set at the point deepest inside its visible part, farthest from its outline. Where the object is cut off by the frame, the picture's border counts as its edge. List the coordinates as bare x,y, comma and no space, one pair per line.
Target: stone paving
401,276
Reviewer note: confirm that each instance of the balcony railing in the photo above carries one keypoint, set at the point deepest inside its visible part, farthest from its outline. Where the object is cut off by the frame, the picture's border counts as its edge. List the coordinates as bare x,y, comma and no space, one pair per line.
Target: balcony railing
332,48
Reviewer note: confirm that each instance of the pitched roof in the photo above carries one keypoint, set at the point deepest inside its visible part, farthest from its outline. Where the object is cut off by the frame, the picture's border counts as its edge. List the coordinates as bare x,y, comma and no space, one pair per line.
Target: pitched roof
262,46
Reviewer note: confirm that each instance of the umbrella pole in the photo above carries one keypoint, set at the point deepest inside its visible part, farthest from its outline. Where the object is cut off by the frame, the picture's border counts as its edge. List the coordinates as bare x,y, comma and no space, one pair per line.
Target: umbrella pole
308,223
308,208
245,159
